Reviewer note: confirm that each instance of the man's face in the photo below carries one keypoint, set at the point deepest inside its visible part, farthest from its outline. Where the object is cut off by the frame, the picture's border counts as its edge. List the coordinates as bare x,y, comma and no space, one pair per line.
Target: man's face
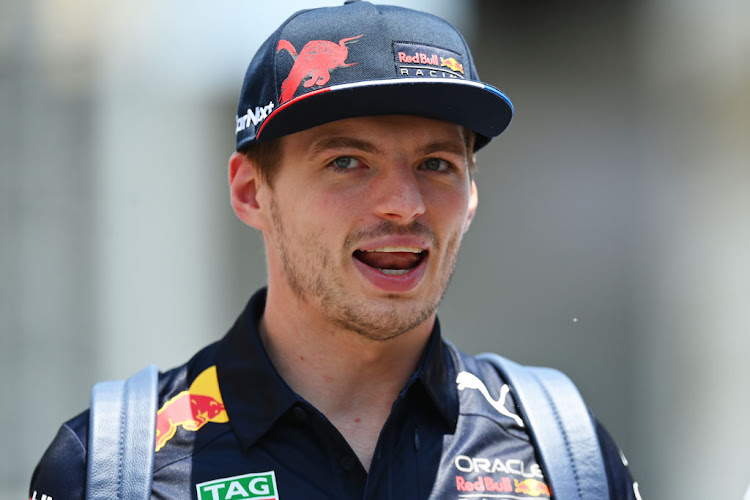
366,219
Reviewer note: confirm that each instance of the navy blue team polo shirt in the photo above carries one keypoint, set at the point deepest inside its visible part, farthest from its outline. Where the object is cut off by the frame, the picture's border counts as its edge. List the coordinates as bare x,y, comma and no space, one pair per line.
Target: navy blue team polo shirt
230,428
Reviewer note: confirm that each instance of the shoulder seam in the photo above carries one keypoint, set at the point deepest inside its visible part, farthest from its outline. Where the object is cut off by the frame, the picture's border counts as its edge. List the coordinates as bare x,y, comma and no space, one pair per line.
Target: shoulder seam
78,439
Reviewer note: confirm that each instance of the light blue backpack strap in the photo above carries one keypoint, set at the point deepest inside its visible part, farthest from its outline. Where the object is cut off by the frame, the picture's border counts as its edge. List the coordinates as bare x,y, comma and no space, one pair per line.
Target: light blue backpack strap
561,427
122,430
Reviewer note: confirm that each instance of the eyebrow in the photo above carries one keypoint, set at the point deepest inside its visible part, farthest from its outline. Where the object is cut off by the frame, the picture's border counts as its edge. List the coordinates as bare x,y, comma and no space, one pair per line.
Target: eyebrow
453,147
457,148
339,142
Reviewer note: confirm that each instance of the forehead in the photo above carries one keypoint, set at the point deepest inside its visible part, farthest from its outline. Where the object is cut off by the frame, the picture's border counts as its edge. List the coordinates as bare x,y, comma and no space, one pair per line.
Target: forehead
403,132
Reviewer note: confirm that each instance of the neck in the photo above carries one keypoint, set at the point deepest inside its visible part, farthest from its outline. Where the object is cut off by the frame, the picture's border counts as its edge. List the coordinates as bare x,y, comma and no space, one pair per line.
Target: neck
351,379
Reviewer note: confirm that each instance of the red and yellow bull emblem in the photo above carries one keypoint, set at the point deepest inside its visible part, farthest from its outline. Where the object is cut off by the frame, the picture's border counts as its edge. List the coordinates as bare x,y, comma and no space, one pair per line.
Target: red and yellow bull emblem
452,64
314,63
532,487
191,409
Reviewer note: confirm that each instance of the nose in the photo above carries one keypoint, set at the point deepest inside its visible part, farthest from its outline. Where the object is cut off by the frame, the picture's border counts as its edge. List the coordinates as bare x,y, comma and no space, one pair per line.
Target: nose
399,198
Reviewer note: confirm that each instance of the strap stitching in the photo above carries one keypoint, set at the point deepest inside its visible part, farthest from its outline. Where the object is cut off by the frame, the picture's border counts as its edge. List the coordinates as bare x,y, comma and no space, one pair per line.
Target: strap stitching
122,441
563,431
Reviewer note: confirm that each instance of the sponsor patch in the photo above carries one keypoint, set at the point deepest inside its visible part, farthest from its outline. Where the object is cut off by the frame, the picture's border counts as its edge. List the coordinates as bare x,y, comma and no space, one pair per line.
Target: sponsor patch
255,486
484,483
532,487
482,465
480,475
420,61
191,409
253,116
466,380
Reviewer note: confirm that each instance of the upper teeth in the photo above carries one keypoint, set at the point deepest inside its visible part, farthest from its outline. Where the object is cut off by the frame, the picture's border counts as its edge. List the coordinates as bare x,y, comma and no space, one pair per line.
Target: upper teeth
396,249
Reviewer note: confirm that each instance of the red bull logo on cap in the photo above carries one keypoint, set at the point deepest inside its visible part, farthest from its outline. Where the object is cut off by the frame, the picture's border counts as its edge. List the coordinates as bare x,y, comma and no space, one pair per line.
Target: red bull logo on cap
452,64
314,64
191,409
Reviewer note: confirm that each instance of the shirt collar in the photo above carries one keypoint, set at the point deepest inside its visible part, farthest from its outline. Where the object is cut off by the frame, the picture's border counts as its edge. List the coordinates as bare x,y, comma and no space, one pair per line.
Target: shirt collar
436,372
256,396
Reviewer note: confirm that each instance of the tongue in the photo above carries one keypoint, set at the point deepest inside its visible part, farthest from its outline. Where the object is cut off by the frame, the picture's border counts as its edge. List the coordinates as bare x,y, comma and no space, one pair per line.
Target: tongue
389,260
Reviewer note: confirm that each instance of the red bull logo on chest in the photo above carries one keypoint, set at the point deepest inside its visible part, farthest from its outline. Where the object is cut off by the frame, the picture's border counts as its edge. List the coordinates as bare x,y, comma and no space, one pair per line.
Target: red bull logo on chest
532,487
191,409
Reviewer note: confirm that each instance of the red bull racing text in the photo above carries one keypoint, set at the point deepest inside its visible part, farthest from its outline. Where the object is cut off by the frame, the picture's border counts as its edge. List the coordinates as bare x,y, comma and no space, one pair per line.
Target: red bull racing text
415,60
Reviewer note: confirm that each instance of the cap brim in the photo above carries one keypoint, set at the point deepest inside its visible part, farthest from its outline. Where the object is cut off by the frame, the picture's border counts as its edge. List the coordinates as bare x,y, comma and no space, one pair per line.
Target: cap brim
477,106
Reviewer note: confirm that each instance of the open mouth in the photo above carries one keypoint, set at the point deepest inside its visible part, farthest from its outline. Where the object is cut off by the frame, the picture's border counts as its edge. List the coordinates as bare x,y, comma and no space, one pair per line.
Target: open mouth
392,261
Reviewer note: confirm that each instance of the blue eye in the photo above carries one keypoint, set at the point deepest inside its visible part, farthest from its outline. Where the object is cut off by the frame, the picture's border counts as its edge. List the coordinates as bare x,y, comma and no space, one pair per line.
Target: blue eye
346,163
436,165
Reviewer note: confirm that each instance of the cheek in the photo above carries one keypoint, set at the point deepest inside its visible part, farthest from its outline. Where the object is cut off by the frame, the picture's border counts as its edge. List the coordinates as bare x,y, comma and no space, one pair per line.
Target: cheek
449,206
328,215
341,206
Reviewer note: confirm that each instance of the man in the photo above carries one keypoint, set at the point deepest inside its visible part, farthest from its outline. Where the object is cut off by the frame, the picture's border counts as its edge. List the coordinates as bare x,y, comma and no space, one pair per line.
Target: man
356,133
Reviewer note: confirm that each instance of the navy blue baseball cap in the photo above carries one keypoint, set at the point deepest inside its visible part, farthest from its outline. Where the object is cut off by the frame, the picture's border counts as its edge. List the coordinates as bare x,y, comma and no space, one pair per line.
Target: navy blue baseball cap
361,59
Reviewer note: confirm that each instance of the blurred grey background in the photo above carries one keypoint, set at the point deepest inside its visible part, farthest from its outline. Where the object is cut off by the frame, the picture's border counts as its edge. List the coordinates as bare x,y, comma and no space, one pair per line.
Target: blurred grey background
612,239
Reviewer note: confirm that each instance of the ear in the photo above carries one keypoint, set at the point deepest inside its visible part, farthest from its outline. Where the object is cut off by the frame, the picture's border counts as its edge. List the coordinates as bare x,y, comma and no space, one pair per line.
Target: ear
245,184
473,202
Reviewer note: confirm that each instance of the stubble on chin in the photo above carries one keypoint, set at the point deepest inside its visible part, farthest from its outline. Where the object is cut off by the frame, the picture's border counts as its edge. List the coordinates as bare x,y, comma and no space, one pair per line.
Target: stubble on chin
309,271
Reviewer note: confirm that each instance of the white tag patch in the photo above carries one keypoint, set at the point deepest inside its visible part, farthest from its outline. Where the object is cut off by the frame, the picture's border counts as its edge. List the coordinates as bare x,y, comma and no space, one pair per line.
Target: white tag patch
255,486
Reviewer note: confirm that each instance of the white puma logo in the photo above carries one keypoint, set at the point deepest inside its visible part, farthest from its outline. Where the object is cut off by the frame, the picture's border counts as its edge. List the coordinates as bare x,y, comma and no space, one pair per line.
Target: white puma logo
466,380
